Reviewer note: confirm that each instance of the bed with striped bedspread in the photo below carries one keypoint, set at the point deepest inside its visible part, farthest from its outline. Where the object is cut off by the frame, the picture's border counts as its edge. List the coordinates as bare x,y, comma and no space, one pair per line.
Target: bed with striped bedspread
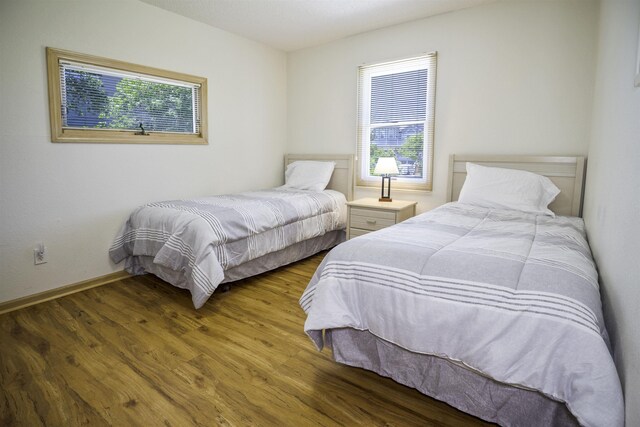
511,296
200,239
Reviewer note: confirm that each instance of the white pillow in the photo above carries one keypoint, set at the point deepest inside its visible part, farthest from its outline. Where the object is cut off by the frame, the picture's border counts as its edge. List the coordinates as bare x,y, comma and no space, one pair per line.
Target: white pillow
508,189
308,175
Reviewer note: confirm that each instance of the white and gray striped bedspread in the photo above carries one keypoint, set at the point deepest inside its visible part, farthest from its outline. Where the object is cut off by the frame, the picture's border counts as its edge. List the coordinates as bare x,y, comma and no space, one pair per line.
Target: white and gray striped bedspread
509,295
204,237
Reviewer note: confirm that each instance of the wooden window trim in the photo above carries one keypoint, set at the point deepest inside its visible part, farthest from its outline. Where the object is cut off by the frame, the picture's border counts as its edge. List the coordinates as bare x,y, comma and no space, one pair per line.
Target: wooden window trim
119,136
400,184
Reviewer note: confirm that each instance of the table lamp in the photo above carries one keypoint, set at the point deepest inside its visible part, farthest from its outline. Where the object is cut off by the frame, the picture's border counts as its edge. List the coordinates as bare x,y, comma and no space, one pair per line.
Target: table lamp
385,167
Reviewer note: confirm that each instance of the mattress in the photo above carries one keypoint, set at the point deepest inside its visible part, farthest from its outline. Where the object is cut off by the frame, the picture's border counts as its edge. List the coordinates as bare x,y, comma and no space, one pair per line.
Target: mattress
510,296
199,239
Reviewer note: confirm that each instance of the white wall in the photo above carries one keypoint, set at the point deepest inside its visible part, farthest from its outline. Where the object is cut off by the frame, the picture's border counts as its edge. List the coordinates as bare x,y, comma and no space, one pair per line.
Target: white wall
612,199
74,197
513,78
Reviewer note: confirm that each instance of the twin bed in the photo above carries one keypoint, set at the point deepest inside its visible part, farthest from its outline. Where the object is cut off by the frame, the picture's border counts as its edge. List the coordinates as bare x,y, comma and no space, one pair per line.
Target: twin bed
199,244
491,309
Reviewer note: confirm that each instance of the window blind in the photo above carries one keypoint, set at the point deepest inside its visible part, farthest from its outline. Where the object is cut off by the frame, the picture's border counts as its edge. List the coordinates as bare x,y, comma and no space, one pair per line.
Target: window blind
97,97
395,118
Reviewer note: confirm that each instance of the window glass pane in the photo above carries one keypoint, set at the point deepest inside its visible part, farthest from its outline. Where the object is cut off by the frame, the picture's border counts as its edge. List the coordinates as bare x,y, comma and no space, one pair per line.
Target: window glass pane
404,142
95,100
399,97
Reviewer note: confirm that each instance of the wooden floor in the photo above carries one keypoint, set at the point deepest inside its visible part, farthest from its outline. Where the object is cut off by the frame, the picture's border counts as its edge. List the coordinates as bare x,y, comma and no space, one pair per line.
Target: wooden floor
135,352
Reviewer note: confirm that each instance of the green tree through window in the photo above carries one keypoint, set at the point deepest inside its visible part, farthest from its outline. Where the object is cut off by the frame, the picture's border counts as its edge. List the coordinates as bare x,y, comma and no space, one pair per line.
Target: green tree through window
85,93
160,107
413,149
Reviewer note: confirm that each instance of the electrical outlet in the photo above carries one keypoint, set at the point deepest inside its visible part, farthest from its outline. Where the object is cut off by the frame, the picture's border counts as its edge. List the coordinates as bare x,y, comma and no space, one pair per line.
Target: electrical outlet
40,254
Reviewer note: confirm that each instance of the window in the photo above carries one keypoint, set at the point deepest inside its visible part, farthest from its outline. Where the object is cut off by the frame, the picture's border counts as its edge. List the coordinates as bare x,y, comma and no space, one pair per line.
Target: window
94,99
395,118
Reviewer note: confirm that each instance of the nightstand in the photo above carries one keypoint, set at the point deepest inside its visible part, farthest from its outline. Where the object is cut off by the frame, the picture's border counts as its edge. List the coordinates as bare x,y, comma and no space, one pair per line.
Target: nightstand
367,215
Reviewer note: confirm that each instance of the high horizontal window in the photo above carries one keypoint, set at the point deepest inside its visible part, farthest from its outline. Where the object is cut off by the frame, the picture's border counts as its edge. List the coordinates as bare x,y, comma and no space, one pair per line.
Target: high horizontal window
396,106
94,99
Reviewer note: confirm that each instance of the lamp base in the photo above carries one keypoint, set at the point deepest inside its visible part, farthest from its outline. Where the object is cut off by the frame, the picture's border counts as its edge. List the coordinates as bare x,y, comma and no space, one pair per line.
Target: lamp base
385,196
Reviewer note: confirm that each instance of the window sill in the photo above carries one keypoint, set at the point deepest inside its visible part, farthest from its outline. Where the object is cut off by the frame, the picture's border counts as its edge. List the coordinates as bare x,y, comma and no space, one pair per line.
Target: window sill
125,137
393,188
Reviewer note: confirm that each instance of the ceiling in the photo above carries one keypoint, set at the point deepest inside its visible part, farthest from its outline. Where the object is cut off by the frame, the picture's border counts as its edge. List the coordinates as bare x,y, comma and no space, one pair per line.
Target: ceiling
295,24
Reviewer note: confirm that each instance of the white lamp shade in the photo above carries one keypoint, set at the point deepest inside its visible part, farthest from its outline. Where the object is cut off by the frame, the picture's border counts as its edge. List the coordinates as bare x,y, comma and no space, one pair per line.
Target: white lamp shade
386,166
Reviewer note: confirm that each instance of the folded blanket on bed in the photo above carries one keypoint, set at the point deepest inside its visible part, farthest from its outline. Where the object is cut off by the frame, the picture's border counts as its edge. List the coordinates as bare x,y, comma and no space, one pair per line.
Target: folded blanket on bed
205,236
509,295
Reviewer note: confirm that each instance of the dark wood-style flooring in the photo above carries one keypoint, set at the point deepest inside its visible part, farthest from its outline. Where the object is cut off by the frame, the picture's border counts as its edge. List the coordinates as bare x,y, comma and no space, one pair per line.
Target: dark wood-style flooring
136,353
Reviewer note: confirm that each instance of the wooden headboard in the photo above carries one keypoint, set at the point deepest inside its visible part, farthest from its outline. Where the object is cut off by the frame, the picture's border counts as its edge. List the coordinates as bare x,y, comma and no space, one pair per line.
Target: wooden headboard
567,173
342,178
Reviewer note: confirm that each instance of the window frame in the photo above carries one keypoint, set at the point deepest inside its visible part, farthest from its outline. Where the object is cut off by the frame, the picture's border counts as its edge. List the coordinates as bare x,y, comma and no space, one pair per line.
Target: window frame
365,75
118,136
